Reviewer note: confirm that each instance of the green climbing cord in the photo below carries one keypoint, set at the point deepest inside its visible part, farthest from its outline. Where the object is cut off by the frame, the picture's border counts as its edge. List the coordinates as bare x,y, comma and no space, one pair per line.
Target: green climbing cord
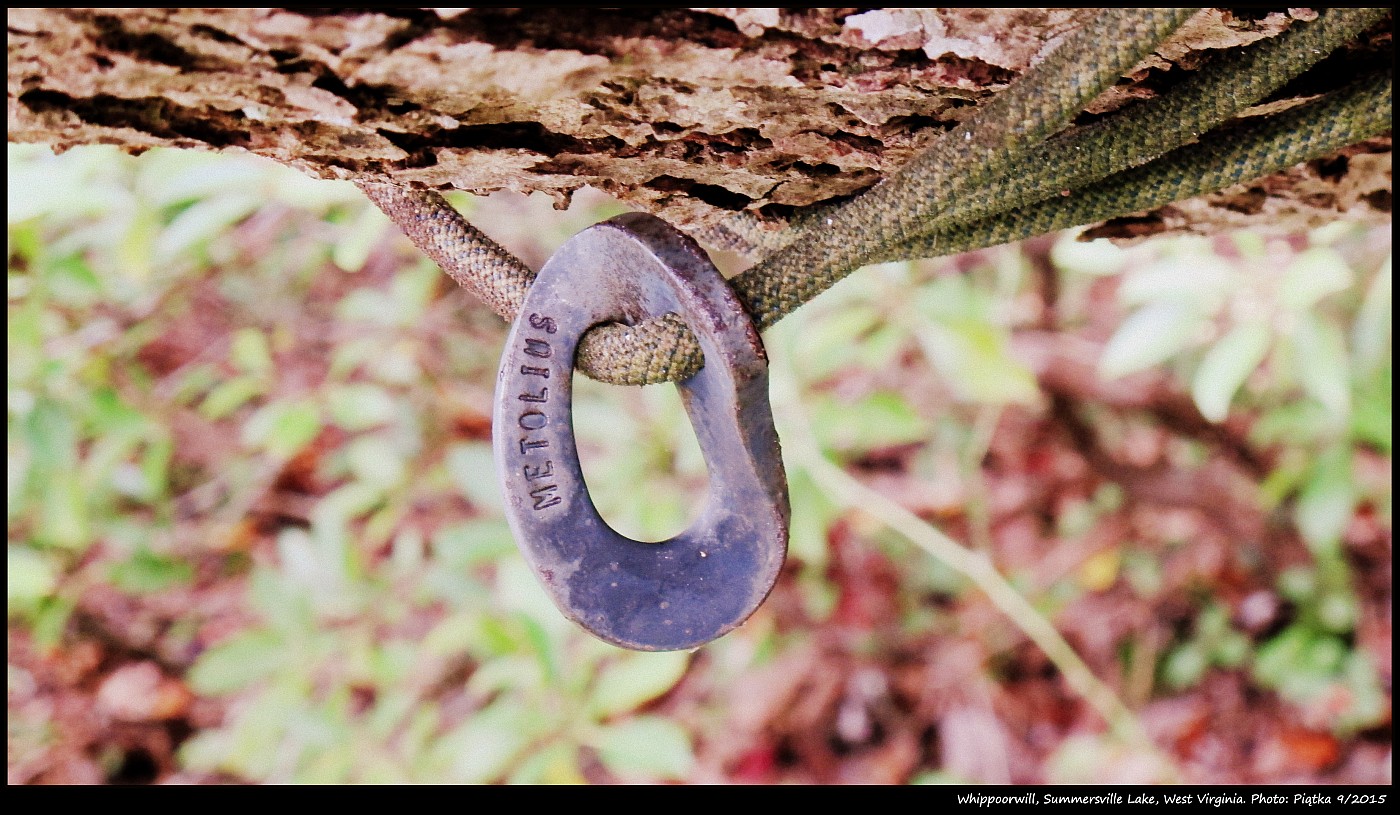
1221,158
1000,176
1217,91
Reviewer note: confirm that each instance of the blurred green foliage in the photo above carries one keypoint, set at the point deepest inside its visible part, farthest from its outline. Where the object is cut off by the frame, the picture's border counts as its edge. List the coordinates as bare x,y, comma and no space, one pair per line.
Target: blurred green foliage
1280,318
1304,339
333,680
390,630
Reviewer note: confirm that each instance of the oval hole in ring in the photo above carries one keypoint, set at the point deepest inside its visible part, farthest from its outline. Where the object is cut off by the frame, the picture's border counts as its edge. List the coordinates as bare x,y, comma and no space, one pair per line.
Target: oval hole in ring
639,457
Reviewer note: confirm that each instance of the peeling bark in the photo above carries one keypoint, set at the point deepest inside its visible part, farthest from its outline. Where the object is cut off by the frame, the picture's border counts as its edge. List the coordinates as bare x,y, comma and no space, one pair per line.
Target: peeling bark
689,114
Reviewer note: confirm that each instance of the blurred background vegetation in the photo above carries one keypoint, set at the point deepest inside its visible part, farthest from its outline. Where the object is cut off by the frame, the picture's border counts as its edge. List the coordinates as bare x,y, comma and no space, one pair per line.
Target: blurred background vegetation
1061,511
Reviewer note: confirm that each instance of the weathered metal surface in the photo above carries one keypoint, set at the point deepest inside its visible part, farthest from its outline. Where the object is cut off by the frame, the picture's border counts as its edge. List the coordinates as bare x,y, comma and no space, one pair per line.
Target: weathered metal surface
697,586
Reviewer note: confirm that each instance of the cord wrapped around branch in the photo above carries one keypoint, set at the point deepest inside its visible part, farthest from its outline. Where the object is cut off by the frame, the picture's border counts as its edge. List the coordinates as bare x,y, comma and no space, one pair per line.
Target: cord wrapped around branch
997,177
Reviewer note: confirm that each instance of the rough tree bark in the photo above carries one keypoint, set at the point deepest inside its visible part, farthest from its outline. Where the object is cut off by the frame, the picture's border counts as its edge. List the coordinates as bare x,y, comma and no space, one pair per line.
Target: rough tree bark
689,114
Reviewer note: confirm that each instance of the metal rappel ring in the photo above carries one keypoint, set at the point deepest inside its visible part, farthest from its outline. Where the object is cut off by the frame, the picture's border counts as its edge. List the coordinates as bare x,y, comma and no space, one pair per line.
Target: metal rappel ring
703,583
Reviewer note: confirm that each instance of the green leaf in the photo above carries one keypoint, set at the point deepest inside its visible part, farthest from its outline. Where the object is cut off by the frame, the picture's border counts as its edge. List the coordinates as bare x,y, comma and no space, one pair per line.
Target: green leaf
411,290
473,469
63,512
486,747
330,520
833,341
226,397
283,428
556,764
506,670
146,572
1151,335
29,576
397,364
201,222
250,353
877,420
375,461
50,621
1185,666
1337,611
1200,282
1371,333
1250,244
352,250
1280,656
239,662
812,513
112,417
974,358
635,679
366,305
1226,366
52,435
1232,650
518,589
351,354
24,335
193,382
880,348
1324,655
1370,702
472,543
169,178
17,469
71,281
1298,584
134,251
155,468
646,748
950,298
359,406
1288,423
1213,622
1371,414
1320,359
453,635
1312,275
1327,502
